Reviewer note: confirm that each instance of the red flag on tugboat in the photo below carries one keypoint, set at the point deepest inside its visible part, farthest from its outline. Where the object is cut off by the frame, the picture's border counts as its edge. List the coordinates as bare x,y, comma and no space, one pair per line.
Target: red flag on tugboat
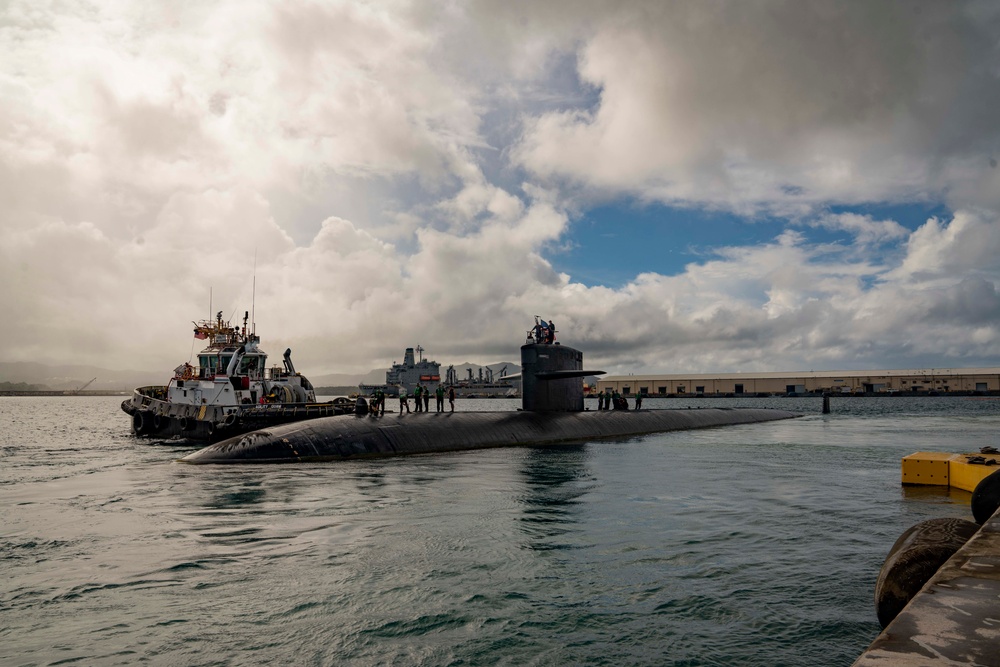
200,335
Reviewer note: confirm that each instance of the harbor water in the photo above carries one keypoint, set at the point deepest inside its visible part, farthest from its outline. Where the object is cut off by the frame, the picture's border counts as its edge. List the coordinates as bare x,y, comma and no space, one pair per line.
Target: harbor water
744,545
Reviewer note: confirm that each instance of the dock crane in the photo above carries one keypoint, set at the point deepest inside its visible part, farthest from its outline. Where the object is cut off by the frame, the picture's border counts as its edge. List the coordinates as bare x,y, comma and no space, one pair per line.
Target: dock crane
84,386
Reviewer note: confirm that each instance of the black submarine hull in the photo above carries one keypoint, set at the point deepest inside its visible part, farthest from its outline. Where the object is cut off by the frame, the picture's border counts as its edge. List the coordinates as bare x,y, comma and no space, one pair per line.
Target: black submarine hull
350,437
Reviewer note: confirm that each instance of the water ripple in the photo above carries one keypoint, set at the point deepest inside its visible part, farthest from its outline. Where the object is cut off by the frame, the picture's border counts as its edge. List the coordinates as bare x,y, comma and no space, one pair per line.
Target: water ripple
709,547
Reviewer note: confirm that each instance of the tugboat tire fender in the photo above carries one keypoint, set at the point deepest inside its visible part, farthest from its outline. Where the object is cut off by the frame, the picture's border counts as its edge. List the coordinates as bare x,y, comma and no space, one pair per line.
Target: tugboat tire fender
231,420
142,422
186,424
158,422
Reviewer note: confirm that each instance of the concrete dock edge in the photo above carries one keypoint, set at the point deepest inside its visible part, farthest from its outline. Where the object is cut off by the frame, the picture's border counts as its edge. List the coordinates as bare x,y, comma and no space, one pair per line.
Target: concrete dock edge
955,618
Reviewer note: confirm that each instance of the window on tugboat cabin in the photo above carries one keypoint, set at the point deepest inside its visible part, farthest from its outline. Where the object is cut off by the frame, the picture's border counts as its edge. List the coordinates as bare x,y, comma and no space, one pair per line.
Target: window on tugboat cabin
251,365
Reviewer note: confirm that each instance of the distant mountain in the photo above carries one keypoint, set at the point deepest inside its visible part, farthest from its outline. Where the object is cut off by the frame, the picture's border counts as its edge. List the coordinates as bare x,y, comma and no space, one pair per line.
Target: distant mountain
68,377
22,386
347,379
71,376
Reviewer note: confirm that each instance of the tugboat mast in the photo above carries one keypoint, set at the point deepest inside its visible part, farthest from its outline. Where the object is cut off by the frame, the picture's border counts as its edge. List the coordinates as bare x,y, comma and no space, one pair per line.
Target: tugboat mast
253,297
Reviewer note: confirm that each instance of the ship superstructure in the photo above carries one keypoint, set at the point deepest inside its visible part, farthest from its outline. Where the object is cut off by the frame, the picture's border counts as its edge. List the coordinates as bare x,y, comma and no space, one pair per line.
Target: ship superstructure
408,375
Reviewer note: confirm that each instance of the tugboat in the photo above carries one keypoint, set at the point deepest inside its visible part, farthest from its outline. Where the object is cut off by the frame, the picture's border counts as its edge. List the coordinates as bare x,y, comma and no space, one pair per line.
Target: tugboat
230,392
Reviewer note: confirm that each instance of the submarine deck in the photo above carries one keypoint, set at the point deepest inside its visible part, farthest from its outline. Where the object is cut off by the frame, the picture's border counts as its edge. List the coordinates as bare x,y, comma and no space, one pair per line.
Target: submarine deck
346,437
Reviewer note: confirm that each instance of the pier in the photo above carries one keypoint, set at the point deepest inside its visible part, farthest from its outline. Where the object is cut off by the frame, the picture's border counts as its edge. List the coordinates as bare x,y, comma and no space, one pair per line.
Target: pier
955,618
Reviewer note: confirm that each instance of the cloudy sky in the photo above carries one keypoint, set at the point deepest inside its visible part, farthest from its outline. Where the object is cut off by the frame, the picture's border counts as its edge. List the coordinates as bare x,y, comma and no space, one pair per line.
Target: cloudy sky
683,186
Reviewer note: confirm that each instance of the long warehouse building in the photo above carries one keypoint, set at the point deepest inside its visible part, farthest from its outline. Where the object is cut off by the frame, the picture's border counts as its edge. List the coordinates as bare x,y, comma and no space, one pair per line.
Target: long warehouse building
937,380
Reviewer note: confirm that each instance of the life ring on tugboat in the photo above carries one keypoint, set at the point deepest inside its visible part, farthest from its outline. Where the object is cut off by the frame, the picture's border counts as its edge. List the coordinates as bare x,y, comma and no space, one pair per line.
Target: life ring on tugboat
142,422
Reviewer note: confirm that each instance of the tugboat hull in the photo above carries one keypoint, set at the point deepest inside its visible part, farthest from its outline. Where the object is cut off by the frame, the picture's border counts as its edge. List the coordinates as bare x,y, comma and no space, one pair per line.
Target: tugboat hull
155,418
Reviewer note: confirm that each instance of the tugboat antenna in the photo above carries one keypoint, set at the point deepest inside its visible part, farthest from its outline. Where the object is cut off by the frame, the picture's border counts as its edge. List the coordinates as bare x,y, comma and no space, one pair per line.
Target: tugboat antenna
253,296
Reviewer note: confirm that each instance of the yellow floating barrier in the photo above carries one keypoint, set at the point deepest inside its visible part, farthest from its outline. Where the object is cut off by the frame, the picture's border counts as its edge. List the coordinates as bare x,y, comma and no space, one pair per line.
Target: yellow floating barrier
946,469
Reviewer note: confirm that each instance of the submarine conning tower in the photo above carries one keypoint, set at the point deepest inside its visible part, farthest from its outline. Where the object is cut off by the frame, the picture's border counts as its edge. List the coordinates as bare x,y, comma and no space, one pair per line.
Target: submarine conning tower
551,378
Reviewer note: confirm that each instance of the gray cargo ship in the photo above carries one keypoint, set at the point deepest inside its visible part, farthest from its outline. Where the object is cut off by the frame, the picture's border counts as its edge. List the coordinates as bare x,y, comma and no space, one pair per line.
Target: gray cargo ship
412,372
407,375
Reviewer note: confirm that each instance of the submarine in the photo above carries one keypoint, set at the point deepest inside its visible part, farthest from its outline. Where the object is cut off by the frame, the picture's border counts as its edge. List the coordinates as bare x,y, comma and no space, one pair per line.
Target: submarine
552,413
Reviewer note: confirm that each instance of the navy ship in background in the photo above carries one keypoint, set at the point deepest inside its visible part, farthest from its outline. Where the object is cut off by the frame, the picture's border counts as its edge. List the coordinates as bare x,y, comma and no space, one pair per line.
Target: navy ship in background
406,375
552,413
487,385
410,373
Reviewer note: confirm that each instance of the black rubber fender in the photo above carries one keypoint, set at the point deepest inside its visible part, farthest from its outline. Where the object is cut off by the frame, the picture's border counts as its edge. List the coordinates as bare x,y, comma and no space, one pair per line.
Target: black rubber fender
986,498
186,423
159,422
913,560
142,422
